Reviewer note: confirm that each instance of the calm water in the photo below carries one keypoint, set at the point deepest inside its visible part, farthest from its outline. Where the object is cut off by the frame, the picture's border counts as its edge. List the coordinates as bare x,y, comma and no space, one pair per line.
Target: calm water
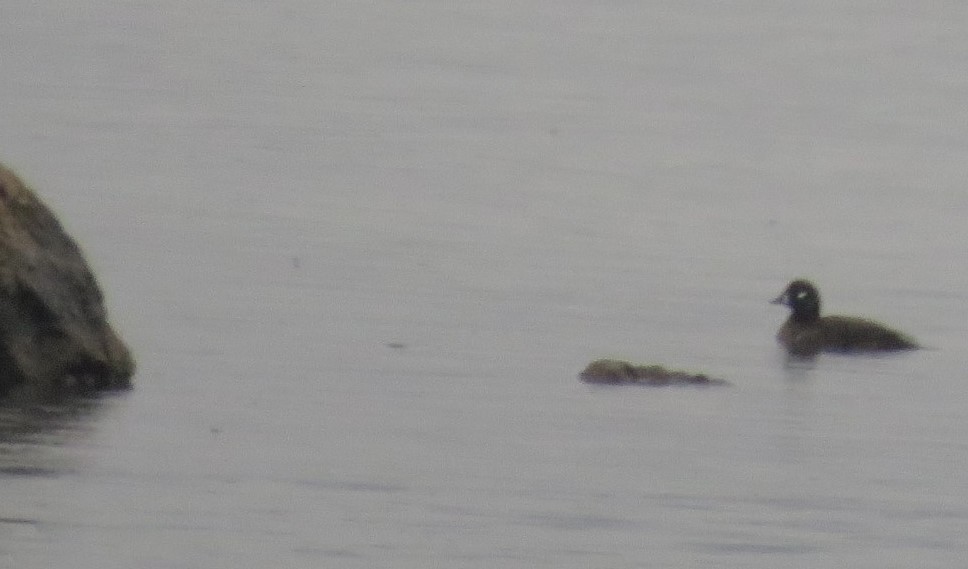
362,250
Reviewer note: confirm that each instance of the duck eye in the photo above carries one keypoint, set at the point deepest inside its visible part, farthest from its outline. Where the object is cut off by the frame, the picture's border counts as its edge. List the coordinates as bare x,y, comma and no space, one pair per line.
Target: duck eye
801,295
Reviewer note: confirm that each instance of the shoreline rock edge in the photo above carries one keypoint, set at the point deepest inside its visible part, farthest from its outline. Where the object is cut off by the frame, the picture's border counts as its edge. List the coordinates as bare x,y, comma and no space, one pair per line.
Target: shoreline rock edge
55,338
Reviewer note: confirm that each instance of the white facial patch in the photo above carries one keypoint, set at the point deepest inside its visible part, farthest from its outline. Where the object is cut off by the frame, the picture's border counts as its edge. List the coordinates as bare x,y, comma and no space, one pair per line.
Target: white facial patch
801,295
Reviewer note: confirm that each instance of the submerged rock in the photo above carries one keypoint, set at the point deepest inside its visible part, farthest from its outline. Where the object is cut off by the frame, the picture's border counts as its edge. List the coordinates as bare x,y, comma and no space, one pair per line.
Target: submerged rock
616,372
54,336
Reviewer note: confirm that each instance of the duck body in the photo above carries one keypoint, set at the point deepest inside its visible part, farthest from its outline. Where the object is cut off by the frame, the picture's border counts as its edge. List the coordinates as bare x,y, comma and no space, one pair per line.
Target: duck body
806,332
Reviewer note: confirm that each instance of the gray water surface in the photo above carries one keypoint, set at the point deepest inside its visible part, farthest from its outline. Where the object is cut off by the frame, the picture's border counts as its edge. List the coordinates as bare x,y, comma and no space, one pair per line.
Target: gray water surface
362,250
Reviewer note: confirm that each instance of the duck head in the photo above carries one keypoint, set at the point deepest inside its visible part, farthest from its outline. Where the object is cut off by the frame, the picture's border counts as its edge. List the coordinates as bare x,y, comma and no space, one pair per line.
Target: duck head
802,298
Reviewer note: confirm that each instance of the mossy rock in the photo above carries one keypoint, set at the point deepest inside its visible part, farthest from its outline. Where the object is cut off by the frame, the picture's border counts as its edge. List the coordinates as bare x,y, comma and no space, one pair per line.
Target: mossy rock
55,338
618,372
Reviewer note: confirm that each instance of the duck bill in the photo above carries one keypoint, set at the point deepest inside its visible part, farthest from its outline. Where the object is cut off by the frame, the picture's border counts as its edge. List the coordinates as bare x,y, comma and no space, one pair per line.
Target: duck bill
780,299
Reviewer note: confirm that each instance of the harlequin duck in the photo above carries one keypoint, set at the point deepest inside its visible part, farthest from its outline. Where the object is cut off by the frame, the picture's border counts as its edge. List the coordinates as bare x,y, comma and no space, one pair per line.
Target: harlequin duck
806,332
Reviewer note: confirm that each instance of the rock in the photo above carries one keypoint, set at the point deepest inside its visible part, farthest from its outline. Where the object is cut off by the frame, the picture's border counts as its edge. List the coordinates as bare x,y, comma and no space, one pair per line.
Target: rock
54,336
617,372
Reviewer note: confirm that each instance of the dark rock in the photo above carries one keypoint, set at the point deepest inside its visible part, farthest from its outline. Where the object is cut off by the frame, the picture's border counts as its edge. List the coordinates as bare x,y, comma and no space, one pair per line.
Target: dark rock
617,372
54,336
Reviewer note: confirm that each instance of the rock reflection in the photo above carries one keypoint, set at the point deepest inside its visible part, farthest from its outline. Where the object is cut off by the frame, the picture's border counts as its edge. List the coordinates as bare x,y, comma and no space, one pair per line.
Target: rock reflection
30,435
